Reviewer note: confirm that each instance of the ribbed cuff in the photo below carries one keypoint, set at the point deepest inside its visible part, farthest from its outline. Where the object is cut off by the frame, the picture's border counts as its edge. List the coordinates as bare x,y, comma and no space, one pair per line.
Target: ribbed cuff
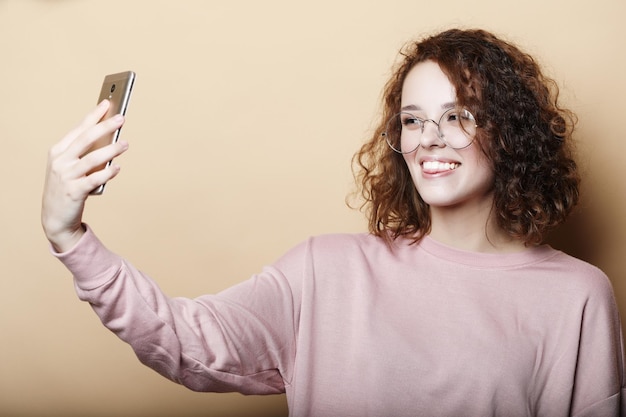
90,262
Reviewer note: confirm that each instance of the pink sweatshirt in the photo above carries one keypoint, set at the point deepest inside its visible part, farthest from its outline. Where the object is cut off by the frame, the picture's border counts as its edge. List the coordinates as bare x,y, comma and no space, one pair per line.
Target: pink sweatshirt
347,327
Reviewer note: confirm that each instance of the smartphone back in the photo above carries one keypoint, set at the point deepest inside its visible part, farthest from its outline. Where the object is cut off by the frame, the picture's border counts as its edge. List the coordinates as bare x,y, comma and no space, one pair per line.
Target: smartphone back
117,89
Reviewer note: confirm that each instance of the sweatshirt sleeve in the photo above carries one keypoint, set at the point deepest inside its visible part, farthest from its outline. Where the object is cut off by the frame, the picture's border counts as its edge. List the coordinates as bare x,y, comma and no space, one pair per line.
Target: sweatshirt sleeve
600,387
240,340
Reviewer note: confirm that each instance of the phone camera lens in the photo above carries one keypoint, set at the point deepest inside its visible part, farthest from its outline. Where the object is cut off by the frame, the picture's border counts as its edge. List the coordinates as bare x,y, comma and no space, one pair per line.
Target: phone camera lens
113,88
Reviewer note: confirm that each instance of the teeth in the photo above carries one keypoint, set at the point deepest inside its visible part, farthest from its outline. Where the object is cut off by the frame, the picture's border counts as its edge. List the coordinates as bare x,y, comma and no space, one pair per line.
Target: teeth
439,166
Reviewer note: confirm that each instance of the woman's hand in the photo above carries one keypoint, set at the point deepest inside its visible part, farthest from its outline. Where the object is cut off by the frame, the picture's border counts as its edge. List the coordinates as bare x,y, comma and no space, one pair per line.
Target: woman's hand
67,184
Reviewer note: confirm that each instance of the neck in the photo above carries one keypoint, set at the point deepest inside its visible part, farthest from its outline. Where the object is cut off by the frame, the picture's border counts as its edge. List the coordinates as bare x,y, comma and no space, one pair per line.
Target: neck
474,231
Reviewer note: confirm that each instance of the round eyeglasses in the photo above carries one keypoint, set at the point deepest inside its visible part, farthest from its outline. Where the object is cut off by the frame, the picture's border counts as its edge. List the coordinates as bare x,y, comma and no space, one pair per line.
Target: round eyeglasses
456,128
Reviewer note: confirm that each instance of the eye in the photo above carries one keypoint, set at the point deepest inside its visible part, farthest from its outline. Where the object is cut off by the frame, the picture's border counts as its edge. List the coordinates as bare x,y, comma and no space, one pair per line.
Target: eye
461,116
411,122
452,117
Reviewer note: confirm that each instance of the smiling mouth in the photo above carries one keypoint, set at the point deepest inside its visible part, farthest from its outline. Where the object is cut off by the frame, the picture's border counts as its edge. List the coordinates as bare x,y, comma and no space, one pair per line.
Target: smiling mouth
436,166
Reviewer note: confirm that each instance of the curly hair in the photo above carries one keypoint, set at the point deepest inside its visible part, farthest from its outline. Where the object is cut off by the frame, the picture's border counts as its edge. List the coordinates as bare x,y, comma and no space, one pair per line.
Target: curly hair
523,131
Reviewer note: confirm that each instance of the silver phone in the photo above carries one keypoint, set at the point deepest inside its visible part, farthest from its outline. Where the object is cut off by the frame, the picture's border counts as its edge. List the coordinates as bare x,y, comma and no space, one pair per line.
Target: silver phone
116,88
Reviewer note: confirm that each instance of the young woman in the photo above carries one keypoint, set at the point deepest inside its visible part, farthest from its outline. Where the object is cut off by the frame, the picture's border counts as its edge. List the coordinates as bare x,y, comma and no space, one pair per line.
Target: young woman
449,306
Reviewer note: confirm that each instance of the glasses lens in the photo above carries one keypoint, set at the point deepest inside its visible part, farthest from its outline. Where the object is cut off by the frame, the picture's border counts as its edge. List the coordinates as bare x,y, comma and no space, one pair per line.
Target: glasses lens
403,132
457,128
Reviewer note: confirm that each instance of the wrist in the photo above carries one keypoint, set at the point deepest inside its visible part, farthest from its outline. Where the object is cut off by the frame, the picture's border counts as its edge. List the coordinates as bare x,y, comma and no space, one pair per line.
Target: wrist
63,242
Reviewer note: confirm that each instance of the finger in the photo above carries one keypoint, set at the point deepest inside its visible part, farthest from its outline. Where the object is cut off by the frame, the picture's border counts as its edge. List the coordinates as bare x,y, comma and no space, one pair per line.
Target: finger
91,119
96,179
97,158
84,143
69,164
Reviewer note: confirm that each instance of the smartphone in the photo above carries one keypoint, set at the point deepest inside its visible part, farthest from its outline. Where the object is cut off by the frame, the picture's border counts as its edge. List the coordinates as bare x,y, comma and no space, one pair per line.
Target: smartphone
116,88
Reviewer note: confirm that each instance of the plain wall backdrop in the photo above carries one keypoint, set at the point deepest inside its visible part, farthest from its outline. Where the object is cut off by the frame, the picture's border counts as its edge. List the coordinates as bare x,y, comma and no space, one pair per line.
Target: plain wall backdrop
243,122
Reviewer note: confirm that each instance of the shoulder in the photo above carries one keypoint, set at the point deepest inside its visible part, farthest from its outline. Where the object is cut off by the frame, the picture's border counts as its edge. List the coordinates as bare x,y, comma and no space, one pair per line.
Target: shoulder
335,250
347,241
339,244
580,275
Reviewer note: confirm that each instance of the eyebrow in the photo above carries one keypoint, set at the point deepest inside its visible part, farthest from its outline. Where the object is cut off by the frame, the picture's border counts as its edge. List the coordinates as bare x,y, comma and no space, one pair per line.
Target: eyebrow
445,106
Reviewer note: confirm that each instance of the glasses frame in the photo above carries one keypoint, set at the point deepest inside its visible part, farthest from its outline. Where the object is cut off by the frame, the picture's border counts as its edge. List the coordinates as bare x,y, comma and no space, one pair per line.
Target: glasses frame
422,125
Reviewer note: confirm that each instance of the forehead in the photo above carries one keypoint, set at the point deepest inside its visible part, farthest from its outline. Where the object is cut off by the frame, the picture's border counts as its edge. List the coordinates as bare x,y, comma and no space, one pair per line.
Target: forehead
426,87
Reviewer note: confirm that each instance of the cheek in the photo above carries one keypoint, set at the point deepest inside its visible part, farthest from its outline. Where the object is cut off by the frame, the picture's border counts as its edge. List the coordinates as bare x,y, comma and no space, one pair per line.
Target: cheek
477,159
410,159
411,164
483,171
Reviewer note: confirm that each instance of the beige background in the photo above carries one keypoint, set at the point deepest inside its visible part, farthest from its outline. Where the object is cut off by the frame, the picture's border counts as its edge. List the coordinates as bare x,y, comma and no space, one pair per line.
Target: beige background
243,121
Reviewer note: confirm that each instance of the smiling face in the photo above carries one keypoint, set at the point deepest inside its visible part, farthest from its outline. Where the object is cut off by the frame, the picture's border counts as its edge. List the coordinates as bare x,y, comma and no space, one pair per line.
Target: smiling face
444,177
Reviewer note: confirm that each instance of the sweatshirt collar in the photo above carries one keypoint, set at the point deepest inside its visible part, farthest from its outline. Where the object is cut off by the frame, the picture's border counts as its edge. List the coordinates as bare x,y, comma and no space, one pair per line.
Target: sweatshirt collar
531,255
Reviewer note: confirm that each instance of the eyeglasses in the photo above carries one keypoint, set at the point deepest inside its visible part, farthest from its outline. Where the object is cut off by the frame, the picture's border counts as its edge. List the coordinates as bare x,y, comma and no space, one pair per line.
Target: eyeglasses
456,128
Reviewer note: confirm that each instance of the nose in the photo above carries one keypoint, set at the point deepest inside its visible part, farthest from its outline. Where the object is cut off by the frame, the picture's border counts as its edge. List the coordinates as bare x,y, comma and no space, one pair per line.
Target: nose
430,135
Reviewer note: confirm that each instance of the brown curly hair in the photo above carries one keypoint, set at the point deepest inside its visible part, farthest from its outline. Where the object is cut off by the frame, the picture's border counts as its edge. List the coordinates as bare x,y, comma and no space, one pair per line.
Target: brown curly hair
523,131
